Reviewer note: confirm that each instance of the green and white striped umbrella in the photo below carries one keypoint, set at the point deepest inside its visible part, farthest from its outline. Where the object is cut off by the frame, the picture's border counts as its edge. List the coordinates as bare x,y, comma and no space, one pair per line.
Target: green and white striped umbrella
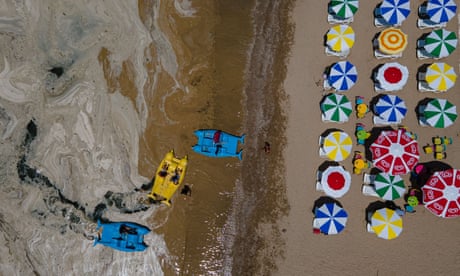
440,43
440,113
336,108
344,8
389,187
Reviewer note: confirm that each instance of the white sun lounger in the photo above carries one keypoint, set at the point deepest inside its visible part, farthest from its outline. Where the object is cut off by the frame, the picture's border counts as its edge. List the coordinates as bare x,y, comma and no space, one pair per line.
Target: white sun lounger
330,52
369,228
368,178
322,153
422,86
381,122
426,23
422,54
316,223
369,190
319,187
335,20
422,121
380,55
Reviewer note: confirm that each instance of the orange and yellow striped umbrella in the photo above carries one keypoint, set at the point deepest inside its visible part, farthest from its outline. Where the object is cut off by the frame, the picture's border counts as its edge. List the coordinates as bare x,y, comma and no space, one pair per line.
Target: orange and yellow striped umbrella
392,41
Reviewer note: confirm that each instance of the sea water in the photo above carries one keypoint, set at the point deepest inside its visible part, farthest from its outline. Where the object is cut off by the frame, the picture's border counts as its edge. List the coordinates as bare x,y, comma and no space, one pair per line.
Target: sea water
94,94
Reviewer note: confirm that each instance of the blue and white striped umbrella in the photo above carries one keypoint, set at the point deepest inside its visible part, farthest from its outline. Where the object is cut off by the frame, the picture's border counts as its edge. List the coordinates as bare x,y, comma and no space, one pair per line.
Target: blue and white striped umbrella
394,12
342,76
441,11
331,218
390,108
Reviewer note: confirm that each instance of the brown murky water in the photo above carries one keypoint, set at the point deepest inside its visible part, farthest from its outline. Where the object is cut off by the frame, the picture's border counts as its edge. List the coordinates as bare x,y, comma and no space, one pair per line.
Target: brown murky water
230,59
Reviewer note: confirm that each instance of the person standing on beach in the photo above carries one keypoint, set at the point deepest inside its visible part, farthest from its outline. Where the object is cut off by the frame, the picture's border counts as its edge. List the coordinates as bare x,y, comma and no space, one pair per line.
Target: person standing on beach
267,147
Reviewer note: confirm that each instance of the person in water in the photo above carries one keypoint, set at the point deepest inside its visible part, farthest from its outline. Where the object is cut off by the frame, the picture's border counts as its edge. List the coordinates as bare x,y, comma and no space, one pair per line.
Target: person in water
186,190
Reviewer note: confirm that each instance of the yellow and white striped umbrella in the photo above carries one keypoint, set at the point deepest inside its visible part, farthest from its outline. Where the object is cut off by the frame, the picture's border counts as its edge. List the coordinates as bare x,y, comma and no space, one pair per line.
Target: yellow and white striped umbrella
386,223
392,41
340,38
337,145
440,76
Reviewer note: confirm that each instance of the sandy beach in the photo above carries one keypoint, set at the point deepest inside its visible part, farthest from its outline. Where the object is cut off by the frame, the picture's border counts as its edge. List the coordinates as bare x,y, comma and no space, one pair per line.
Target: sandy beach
428,245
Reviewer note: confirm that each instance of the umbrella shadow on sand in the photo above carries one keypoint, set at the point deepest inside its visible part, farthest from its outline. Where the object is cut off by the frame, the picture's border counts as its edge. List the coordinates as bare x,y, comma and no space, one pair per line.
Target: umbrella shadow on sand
423,171
327,164
375,41
375,71
330,130
323,200
421,106
422,69
375,132
377,205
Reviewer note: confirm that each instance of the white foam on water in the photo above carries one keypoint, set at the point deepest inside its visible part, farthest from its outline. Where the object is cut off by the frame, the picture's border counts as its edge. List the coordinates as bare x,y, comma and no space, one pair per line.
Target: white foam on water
88,139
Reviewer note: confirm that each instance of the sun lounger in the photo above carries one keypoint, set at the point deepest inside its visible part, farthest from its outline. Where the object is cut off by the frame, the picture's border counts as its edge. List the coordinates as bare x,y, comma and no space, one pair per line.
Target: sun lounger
369,190
422,121
369,228
324,120
319,187
321,153
332,19
379,21
380,55
315,223
320,140
422,54
423,87
326,85
330,52
379,121
427,23
318,175
368,178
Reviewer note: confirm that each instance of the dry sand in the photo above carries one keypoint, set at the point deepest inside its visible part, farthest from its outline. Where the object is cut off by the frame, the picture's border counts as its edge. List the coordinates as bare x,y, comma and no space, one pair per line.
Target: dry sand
428,245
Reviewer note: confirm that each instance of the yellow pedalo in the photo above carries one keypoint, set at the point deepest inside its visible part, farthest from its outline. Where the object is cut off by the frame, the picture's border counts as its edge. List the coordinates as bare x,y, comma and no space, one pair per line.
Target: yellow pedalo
169,176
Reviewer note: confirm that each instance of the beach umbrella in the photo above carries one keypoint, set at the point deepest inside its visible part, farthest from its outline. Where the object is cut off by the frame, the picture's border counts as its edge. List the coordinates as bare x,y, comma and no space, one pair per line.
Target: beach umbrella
440,43
331,218
392,76
441,193
395,152
394,12
440,113
390,108
335,181
337,145
386,223
342,76
340,38
388,186
440,76
344,8
336,107
392,41
441,11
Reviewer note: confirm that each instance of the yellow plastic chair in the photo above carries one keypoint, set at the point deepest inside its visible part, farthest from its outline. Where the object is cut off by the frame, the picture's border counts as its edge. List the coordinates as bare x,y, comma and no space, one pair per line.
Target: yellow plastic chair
440,155
428,149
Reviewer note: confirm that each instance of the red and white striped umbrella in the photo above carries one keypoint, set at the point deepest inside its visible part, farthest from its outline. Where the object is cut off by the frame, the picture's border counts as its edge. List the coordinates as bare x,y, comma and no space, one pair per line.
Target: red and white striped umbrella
395,152
441,193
